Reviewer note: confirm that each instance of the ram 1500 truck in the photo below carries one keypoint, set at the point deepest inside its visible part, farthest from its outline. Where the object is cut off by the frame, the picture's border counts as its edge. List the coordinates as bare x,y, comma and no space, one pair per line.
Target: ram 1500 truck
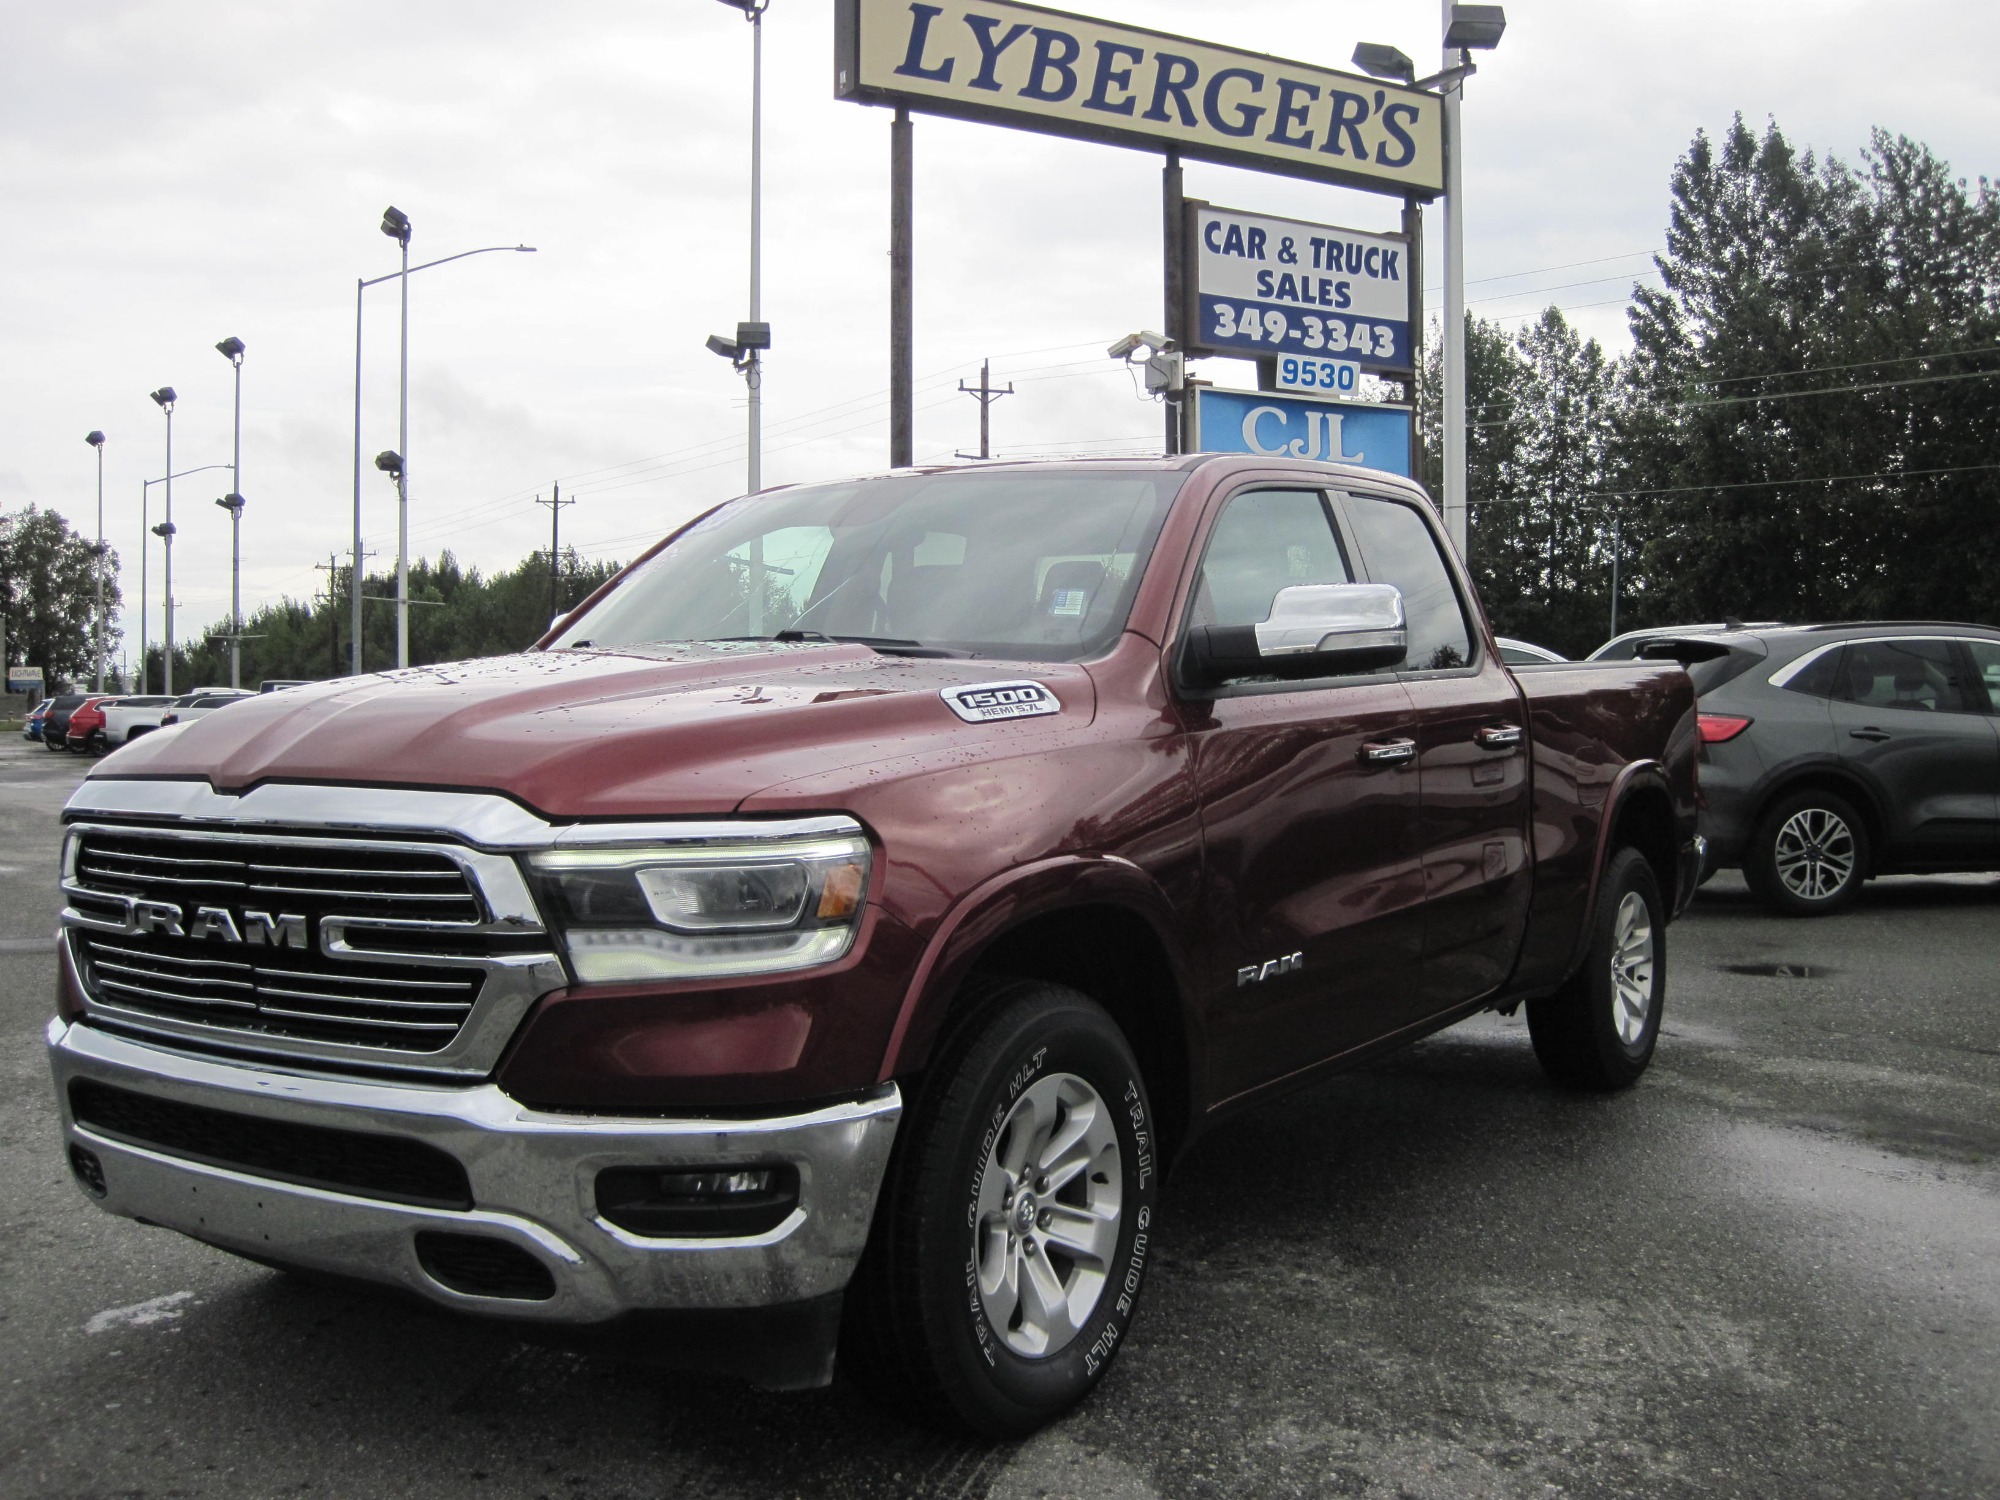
827,936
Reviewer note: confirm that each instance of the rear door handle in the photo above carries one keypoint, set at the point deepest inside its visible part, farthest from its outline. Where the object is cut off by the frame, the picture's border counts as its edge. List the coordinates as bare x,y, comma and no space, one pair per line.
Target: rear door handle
1388,752
1498,737
1870,733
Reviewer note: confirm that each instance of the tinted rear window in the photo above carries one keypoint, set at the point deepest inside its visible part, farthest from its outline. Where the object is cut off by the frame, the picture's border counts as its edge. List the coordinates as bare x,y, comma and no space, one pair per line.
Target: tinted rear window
1710,675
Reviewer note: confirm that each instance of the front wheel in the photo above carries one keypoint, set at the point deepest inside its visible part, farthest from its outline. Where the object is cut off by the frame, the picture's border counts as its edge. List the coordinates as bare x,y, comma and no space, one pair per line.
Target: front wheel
1599,1029
1015,1226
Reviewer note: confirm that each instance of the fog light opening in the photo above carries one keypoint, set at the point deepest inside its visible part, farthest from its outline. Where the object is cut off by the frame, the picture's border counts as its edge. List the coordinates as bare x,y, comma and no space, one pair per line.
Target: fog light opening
732,1202
88,1169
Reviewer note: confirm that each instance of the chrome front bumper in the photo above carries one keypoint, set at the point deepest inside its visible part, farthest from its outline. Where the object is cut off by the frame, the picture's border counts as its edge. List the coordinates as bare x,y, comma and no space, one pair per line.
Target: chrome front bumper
533,1179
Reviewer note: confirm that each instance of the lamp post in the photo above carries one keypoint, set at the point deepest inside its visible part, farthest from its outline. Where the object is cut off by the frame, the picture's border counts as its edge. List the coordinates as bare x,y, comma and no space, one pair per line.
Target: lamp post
96,440
395,224
165,398
231,349
1465,27
145,515
754,336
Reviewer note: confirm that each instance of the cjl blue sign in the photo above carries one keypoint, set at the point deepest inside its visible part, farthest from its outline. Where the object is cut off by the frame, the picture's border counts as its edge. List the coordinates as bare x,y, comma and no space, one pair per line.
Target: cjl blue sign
1273,424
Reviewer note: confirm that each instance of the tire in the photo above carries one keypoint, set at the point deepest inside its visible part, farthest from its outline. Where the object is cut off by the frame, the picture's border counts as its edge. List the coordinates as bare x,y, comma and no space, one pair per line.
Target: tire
1598,1031
50,745
1809,855
943,1318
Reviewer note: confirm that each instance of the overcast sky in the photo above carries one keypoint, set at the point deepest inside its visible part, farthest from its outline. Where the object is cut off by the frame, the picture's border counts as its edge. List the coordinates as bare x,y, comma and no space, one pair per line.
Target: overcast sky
178,173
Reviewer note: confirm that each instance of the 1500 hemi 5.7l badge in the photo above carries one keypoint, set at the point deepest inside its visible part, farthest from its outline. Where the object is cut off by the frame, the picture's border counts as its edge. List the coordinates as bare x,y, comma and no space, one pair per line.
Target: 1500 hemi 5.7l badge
984,701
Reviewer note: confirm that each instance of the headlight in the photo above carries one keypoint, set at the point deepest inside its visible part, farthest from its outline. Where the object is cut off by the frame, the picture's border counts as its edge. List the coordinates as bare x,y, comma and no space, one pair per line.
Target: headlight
703,911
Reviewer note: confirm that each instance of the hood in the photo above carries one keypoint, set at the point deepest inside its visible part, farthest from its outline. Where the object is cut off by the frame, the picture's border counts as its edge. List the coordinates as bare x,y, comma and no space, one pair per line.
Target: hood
674,729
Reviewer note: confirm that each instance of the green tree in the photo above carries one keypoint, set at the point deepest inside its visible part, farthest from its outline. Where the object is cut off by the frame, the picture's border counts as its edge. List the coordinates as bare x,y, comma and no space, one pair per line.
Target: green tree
48,593
1810,408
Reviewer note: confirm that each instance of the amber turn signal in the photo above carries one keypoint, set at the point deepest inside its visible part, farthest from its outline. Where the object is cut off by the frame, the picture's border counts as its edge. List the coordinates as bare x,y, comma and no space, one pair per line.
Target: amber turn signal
840,893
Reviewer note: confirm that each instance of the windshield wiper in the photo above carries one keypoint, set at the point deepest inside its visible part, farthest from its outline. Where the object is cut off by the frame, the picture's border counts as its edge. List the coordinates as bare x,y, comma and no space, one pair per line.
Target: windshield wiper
887,645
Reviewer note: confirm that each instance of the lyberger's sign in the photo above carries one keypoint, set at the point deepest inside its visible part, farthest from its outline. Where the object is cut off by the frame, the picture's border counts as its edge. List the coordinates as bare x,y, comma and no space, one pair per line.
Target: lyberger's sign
1043,70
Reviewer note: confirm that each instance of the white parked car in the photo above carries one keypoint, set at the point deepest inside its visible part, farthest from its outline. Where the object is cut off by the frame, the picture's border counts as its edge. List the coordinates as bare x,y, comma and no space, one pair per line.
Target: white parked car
202,701
125,719
1525,653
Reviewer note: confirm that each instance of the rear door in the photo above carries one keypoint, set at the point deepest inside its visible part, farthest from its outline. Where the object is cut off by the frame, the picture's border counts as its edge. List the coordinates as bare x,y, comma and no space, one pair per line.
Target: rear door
1912,719
1471,730
1313,881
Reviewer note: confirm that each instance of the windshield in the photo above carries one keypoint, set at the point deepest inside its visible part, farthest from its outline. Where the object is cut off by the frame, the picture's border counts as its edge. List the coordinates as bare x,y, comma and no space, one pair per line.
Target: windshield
1037,567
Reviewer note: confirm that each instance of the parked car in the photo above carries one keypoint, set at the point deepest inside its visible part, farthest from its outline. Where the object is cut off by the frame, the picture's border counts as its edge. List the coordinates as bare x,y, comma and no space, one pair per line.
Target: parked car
125,719
55,725
279,684
32,726
191,706
925,902
1525,653
85,732
1833,753
1627,647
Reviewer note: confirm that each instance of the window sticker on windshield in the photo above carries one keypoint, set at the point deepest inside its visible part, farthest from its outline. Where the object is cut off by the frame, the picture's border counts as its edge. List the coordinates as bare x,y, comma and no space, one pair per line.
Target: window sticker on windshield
1068,601
986,701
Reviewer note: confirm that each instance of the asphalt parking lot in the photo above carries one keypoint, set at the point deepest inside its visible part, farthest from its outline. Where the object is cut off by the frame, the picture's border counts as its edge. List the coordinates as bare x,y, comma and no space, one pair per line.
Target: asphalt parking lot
1771,1270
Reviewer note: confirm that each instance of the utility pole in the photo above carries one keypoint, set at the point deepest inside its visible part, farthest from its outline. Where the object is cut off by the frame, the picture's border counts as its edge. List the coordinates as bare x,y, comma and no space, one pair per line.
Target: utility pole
1617,545
332,598
986,395
555,544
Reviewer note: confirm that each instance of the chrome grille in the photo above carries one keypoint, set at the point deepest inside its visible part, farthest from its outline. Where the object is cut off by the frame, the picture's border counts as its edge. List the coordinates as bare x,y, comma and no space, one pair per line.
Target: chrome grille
371,965
350,879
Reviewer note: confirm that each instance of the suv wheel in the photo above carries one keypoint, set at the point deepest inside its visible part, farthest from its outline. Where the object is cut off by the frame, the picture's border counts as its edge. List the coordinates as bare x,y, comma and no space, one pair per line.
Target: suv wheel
1599,1029
1809,855
1015,1225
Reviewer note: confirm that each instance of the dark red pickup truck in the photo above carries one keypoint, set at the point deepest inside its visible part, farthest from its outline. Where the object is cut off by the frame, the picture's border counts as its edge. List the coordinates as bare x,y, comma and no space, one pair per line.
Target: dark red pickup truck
827,937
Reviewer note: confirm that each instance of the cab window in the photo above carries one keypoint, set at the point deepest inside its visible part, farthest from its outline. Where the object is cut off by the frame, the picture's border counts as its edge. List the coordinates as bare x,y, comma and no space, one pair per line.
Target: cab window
1398,548
1263,541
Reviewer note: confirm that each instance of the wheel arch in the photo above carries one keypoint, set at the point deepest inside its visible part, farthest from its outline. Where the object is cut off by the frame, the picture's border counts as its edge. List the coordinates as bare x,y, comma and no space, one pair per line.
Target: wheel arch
1099,926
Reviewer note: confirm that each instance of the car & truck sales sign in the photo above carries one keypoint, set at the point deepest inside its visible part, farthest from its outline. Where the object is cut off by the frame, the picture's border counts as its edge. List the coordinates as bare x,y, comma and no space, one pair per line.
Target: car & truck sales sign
1267,286
1045,70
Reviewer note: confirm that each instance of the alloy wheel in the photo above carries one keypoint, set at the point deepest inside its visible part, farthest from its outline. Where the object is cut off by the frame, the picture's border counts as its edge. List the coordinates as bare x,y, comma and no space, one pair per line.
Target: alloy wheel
1632,954
1047,1216
1815,854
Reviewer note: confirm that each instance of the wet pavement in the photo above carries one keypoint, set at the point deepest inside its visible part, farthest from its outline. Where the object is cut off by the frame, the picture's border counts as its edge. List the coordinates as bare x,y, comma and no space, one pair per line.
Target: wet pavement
1773,1269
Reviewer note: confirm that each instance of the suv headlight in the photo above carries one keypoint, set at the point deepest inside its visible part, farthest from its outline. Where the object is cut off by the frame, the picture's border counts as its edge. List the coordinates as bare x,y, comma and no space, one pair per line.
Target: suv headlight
703,911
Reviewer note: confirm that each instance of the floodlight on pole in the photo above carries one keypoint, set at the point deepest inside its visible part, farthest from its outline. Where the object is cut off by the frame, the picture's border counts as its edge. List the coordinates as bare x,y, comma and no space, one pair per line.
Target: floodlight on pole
96,440
747,349
1380,61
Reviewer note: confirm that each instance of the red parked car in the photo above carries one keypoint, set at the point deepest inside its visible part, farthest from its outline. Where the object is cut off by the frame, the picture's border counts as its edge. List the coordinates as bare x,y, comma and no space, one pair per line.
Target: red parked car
86,727
829,935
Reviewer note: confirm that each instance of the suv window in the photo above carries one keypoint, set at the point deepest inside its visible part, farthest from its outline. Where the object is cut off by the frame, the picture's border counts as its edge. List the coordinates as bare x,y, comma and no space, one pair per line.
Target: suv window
1399,548
1915,675
1263,541
1986,662
1820,678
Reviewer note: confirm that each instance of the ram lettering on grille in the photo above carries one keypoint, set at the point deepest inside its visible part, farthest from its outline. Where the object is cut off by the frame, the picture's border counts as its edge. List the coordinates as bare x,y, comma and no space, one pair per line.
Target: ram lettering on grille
285,930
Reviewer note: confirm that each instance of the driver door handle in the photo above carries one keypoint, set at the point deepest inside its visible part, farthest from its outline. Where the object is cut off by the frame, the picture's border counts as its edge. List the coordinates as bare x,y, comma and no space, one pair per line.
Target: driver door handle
1498,737
1388,752
1870,733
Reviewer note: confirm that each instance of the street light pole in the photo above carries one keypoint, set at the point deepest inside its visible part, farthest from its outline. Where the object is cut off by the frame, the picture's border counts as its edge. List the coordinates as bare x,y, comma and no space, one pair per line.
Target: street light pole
164,398
231,349
754,374
96,440
145,530
1453,414
395,224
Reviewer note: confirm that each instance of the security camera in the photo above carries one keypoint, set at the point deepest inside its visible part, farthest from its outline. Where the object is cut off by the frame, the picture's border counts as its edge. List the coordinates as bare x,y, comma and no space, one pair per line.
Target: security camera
1126,347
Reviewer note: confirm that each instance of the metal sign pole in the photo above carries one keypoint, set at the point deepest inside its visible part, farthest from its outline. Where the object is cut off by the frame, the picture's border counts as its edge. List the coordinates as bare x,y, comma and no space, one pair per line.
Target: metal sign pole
901,379
1413,229
1174,244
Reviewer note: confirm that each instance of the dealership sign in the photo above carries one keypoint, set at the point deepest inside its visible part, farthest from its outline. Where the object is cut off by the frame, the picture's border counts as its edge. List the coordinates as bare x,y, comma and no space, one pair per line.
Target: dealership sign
1274,424
1062,74
24,679
1276,286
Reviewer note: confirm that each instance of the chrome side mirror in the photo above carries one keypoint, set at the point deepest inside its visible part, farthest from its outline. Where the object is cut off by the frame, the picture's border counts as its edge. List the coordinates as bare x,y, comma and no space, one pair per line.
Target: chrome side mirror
1313,630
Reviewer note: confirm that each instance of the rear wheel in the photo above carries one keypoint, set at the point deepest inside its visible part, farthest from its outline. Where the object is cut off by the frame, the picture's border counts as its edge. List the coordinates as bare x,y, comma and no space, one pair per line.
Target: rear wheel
1599,1029
1014,1228
1809,855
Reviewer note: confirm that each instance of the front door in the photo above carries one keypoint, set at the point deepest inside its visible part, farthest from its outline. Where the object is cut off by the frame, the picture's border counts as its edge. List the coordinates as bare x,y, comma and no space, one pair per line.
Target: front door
1911,720
1312,875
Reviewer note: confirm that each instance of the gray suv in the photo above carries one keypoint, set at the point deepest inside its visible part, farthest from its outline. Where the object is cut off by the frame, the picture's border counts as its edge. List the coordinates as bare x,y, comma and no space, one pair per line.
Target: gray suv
1831,753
